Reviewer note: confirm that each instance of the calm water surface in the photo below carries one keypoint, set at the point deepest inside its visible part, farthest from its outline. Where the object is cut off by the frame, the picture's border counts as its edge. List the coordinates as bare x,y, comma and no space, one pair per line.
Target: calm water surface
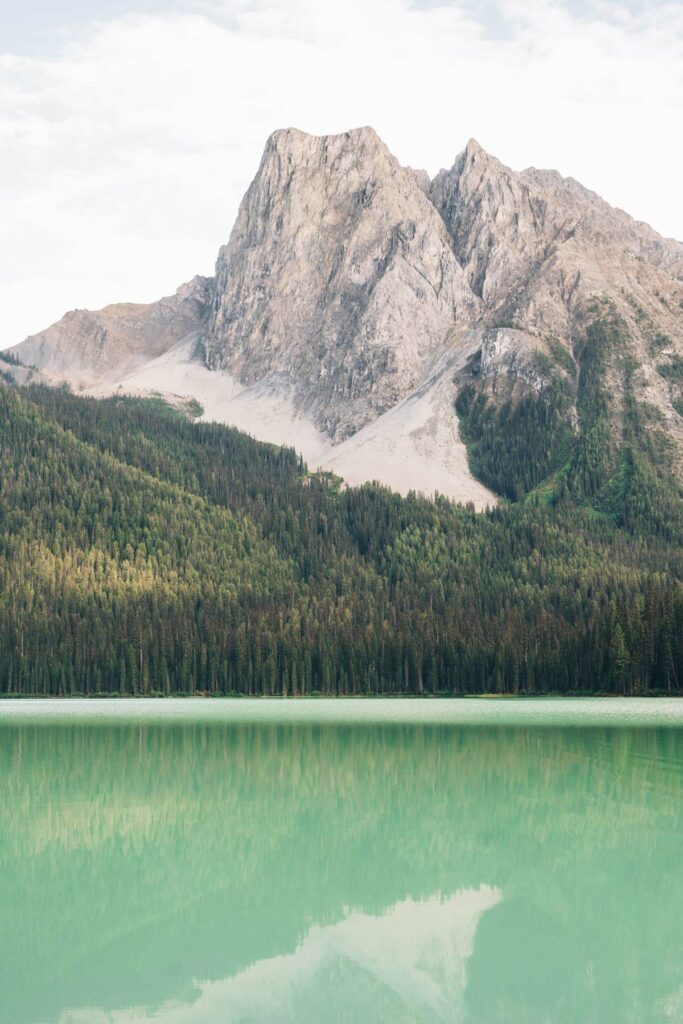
476,862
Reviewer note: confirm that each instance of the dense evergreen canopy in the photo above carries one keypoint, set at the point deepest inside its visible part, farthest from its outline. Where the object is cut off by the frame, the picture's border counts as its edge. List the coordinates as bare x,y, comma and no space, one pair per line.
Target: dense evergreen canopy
143,553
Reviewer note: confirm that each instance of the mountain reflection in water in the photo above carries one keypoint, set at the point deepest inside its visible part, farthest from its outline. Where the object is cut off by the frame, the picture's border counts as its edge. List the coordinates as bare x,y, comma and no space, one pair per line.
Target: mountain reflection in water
236,872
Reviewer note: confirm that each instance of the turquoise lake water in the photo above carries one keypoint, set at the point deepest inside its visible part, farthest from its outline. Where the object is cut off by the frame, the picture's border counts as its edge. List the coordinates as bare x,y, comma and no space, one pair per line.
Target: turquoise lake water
211,862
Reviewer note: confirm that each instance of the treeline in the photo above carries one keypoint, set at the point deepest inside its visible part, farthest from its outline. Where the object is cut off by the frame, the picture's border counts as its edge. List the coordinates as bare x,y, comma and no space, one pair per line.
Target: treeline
615,460
513,447
141,553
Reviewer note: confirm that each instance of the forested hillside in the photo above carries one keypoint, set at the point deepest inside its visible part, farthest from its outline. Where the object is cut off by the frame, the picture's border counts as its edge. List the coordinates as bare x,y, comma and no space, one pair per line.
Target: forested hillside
142,553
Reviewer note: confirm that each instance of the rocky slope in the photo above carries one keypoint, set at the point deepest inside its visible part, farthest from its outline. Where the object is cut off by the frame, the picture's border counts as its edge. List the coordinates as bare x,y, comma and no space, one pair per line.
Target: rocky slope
548,256
84,347
356,299
536,246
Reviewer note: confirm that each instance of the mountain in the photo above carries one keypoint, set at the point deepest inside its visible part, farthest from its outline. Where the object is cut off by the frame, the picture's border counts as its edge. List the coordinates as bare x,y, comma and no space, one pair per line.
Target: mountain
487,333
551,258
339,276
85,347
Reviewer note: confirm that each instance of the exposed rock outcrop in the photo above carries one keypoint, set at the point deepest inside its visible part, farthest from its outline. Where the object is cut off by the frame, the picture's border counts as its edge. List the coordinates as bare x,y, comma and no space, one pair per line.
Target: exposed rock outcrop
355,297
537,247
85,347
340,274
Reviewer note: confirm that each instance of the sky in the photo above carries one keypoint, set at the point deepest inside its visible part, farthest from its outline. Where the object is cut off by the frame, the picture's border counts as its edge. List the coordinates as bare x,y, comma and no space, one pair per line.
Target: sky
130,129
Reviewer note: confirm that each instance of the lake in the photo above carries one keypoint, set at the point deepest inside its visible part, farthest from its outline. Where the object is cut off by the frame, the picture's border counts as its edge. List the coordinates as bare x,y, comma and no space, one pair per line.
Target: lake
211,862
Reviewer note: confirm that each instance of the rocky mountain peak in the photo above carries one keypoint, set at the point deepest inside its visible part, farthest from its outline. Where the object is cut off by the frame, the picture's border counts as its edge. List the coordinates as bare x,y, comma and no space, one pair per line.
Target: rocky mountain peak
285,140
491,217
474,153
339,275
356,296
290,155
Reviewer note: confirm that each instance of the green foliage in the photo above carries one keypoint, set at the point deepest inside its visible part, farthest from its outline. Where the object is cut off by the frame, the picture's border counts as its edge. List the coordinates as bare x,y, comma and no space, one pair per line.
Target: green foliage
640,493
528,447
594,454
142,553
673,370
9,357
657,342
513,447
193,408
562,356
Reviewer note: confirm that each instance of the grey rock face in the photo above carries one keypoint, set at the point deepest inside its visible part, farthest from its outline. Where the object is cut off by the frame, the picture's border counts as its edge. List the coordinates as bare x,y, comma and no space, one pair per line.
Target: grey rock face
348,279
538,247
547,255
84,347
507,363
494,221
339,273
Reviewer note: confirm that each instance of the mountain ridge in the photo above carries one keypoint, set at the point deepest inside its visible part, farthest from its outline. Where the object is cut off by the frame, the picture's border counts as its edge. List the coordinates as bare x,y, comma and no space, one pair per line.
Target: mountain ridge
348,279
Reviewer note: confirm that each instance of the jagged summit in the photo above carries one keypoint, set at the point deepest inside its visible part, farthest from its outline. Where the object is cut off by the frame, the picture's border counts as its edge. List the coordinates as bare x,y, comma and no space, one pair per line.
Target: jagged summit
355,298
298,149
338,276
283,137
473,155
474,151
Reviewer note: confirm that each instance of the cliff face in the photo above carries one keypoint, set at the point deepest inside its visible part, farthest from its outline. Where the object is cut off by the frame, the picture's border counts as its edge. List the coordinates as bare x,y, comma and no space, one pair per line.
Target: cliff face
548,257
339,274
357,297
537,247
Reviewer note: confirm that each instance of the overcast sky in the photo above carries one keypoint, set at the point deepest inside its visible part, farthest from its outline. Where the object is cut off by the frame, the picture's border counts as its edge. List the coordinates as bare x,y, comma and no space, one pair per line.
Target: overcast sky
126,142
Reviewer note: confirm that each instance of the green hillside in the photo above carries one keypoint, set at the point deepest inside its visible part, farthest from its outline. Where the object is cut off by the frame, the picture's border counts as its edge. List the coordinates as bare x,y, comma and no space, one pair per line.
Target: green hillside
142,553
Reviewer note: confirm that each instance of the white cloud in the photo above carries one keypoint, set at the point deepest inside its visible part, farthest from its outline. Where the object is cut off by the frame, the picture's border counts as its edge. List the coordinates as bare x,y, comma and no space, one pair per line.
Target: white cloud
125,156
